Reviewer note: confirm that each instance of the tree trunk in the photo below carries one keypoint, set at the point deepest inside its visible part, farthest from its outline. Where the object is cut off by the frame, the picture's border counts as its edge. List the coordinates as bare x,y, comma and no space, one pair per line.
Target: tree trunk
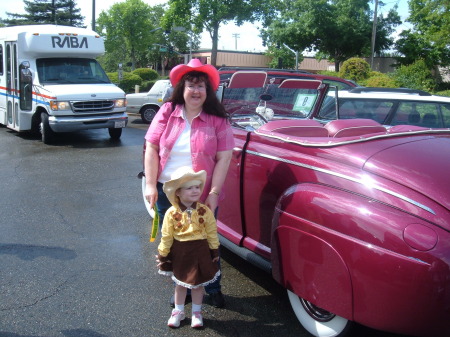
215,40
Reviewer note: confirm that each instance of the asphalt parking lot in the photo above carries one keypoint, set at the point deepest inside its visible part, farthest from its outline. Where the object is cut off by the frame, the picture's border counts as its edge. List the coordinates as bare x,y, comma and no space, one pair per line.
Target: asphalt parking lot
74,253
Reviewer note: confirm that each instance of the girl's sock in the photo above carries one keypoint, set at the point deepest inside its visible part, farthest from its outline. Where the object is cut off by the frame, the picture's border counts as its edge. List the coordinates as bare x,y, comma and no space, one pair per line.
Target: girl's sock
179,307
196,307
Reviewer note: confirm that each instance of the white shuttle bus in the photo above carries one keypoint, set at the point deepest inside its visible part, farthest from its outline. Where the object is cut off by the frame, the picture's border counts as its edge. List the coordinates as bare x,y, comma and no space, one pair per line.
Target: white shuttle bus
50,82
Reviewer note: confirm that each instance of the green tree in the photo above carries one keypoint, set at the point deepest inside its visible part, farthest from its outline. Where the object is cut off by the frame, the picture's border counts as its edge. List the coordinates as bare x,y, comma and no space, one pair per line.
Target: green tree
133,35
429,39
199,15
61,12
339,29
130,28
281,57
431,18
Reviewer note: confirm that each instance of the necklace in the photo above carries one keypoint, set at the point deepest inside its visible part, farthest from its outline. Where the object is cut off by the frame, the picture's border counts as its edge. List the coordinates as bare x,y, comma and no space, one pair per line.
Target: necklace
189,213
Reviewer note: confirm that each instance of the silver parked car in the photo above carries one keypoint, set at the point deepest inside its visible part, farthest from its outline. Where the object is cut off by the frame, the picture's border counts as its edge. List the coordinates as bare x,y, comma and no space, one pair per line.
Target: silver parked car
147,104
388,106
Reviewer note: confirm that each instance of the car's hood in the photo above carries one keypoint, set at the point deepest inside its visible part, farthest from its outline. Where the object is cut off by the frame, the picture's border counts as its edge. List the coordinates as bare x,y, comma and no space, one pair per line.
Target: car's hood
422,165
84,91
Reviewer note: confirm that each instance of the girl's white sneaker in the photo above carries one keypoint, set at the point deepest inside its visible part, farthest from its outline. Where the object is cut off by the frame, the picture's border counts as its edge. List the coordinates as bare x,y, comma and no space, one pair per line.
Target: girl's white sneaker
197,319
175,319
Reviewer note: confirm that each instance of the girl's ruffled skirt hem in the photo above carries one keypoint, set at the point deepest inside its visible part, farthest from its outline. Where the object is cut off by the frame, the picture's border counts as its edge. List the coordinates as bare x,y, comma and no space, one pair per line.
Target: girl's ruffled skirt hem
190,286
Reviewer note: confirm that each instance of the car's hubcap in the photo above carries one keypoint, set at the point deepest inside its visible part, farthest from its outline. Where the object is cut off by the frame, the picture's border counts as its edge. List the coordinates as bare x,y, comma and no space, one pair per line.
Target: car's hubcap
317,313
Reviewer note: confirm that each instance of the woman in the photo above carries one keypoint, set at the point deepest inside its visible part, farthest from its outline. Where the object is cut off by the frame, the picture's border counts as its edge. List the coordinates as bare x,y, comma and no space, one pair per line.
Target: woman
191,129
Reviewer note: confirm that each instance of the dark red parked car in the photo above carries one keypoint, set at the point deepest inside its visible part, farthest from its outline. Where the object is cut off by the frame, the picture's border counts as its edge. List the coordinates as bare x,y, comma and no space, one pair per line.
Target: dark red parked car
351,217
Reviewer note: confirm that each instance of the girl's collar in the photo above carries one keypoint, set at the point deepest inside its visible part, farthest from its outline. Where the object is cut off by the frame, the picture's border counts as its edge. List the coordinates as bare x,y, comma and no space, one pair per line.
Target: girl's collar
183,207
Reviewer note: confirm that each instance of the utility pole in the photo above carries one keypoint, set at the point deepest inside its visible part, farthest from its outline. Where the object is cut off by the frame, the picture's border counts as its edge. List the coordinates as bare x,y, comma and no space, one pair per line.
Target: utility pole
236,36
93,15
374,34
53,12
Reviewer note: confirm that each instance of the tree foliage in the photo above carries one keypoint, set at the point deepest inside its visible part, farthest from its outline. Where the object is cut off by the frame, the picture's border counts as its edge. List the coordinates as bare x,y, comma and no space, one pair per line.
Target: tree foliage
133,34
64,12
199,15
130,29
429,39
431,18
339,29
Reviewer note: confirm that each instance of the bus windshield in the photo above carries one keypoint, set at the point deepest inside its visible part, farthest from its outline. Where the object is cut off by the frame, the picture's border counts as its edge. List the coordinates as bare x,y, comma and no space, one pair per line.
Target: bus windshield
70,71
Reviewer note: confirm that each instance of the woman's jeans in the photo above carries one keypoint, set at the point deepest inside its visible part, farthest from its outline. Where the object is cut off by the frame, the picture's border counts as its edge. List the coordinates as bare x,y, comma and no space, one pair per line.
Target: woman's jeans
163,205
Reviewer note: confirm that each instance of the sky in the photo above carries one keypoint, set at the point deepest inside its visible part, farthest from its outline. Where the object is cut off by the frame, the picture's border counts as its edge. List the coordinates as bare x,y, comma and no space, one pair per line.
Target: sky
247,35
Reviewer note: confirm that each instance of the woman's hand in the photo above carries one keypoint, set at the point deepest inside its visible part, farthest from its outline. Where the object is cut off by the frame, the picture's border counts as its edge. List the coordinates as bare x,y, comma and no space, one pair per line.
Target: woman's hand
151,194
212,201
216,259
151,171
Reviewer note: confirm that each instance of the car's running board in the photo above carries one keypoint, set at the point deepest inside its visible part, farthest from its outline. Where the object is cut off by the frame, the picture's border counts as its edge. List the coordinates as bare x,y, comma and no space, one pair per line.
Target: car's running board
247,255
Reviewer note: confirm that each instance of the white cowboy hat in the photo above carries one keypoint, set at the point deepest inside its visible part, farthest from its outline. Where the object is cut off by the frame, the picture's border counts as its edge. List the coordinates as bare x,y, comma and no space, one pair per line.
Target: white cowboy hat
183,177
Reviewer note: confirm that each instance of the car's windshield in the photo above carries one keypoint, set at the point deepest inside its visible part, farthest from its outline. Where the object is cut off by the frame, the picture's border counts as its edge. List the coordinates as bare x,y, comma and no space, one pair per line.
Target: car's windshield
70,71
284,102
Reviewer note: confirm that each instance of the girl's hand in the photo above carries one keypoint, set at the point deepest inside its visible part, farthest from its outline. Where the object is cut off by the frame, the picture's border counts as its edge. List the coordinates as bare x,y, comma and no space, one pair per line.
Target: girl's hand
158,261
216,259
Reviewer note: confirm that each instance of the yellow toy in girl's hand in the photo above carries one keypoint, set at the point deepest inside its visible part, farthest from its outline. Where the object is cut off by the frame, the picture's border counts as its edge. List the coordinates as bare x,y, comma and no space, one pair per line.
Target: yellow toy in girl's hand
155,225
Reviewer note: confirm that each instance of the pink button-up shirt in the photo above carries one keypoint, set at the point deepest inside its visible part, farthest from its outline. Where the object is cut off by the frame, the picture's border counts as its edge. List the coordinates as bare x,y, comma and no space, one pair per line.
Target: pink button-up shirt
209,135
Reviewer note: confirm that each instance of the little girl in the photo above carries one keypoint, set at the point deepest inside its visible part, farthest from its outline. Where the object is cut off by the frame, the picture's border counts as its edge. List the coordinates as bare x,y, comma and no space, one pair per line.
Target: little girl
189,248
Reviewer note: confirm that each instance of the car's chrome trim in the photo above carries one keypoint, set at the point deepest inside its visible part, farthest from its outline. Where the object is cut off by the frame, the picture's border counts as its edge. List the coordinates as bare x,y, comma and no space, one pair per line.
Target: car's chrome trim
319,142
343,176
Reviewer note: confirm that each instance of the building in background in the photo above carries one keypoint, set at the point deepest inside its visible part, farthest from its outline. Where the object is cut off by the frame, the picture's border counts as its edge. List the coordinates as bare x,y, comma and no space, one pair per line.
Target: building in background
227,58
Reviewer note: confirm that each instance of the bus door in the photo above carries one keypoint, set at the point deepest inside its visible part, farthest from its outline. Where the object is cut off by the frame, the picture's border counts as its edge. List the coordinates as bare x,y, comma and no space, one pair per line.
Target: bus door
12,86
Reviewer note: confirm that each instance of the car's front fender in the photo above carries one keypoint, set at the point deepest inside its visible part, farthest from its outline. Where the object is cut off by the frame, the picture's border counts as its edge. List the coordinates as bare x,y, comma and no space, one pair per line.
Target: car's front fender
346,253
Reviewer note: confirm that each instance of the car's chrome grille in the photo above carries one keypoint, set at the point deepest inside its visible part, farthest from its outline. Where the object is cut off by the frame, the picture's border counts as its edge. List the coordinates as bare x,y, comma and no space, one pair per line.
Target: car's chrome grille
92,106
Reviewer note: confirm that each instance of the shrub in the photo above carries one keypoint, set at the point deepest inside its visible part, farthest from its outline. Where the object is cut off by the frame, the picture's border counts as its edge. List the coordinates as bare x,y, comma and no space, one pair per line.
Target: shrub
113,77
146,74
443,93
328,73
415,76
355,69
129,81
146,86
379,80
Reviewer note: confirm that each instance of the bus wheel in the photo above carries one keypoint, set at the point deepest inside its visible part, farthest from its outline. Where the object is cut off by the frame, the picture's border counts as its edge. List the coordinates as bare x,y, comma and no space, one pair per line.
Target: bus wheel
115,133
47,134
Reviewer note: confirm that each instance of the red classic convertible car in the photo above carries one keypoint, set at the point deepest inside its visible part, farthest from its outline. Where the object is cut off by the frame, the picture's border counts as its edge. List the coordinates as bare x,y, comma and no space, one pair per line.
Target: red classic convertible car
351,217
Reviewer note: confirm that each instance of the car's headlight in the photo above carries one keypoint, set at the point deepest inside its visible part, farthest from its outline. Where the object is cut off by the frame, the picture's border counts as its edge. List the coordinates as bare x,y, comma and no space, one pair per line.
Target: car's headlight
59,105
120,103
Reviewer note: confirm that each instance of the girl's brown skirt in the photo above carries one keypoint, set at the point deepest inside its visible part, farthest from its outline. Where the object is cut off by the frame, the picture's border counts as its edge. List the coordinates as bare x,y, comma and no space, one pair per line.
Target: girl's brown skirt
192,264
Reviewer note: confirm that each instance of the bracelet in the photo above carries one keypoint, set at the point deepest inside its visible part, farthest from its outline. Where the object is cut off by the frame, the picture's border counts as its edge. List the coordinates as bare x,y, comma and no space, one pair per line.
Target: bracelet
214,192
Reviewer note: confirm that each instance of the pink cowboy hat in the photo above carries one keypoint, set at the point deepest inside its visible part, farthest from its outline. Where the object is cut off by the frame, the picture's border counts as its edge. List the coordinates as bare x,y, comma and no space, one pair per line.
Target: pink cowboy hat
195,65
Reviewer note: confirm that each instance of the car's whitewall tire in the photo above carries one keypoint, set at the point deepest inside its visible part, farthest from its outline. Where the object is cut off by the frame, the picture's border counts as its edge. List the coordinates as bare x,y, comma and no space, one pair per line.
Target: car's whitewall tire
329,326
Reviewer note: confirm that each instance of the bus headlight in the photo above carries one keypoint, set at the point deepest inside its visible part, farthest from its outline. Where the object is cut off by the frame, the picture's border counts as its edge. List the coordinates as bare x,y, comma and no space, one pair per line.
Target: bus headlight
120,103
59,105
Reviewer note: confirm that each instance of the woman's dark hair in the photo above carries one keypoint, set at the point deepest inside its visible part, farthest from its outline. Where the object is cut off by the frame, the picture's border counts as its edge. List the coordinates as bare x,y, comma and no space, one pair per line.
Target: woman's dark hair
211,105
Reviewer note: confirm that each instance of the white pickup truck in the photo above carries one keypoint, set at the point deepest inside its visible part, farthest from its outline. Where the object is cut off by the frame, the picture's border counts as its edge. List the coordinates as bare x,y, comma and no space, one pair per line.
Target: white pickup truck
147,104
